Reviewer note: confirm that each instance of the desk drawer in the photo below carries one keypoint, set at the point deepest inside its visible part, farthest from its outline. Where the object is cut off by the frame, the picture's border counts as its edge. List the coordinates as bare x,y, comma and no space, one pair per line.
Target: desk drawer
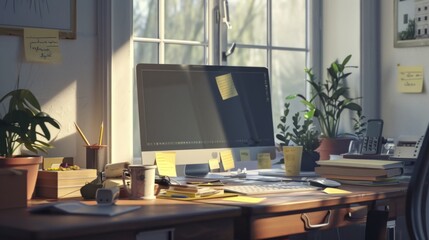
277,226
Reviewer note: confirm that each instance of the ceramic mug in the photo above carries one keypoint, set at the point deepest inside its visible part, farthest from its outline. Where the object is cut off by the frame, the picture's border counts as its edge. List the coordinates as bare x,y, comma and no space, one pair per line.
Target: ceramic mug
142,179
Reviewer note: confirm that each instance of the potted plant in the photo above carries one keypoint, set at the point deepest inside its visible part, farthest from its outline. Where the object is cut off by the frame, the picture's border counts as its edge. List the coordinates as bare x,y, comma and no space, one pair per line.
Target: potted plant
302,134
22,123
327,102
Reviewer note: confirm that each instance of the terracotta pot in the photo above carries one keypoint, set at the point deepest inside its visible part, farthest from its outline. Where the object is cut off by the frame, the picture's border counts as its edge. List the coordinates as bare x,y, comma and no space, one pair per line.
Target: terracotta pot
29,163
334,146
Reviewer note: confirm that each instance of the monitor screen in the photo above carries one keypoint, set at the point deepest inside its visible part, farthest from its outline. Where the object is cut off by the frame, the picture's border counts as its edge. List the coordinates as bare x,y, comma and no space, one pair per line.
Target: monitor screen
198,111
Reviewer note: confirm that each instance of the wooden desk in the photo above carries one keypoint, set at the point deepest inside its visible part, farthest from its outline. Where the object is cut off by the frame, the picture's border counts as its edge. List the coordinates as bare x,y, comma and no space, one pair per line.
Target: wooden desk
277,216
159,219
283,215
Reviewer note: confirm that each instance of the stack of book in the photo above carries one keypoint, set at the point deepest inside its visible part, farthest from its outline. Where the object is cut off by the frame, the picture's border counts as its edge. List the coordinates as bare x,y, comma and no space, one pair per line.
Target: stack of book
191,191
360,171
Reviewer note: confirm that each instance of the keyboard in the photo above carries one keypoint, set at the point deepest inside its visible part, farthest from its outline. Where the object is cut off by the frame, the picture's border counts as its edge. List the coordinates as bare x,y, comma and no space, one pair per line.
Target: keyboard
282,187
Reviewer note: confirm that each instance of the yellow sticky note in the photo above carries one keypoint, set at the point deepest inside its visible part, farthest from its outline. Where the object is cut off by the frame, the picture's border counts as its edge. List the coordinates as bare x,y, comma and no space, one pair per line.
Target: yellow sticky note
227,160
244,155
226,86
335,191
264,160
214,164
245,199
166,163
410,79
42,45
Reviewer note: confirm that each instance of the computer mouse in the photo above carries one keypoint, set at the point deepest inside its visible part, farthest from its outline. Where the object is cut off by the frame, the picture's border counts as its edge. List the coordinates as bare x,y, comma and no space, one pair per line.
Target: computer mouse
323,182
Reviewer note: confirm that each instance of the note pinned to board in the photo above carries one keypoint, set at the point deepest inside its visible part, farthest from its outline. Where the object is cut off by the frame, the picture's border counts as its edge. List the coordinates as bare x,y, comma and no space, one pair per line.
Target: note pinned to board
42,45
244,154
226,86
214,164
264,160
166,163
410,79
227,160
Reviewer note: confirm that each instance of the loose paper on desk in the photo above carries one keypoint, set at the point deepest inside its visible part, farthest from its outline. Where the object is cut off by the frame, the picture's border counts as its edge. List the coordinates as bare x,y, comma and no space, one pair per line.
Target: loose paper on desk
245,199
227,160
226,86
264,160
244,155
166,163
214,164
410,79
42,45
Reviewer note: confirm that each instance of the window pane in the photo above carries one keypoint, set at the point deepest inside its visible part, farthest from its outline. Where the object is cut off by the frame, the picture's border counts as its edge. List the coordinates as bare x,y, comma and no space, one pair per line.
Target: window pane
184,54
184,20
287,77
145,52
289,17
249,22
248,57
145,18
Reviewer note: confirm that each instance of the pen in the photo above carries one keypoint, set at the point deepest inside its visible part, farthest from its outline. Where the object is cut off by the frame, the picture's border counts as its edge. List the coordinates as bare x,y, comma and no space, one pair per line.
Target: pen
100,138
82,135
178,196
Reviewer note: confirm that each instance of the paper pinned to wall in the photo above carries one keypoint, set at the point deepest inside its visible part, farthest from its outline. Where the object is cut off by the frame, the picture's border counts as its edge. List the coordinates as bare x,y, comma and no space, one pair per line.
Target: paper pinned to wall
214,164
166,163
226,86
410,79
42,45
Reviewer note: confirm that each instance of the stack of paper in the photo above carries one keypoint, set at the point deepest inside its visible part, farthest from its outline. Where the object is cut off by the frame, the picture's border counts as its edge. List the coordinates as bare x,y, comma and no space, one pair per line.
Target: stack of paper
191,191
360,171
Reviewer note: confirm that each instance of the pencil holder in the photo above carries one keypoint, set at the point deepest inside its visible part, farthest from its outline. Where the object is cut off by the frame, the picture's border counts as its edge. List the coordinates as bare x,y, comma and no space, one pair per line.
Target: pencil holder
95,157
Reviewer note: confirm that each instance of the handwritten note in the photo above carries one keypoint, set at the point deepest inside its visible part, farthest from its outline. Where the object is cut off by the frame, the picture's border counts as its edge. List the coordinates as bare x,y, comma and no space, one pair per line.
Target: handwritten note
227,160
244,155
214,164
166,163
226,86
410,79
42,45
264,160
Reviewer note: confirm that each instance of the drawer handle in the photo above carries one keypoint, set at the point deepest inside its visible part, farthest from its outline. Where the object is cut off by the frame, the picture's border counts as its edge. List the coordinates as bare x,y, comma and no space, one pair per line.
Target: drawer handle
308,224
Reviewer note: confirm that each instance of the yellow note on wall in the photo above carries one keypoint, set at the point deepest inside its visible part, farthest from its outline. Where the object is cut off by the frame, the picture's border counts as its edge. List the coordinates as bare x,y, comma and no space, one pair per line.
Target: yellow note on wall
410,79
166,163
42,45
214,164
227,160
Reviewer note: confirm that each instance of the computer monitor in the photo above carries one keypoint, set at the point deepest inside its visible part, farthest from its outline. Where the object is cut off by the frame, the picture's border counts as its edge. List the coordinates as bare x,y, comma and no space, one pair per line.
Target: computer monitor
198,111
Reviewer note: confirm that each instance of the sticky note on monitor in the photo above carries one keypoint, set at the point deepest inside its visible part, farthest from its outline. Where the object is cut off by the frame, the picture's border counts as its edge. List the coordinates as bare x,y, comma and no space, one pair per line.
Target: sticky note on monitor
214,164
227,160
226,86
264,160
244,154
166,163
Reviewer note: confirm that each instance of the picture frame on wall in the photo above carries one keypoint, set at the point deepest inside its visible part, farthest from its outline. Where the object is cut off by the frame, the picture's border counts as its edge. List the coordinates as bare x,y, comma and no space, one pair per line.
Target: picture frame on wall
411,20
58,15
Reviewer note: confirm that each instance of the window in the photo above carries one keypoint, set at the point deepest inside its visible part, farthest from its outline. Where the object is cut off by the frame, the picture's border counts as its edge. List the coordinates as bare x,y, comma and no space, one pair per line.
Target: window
269,33
405,18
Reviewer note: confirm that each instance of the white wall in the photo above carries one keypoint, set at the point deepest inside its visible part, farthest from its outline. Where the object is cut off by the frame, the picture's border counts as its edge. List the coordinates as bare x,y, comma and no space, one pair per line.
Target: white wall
403,114
68,91
341,37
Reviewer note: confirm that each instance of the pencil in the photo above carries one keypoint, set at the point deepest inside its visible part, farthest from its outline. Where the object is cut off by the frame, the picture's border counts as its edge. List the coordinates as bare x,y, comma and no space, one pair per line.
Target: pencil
100,138
82,135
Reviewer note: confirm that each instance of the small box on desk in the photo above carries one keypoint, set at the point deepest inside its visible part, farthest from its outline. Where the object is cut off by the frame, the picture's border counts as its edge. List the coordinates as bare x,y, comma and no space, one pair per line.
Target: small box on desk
63,184
13,188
